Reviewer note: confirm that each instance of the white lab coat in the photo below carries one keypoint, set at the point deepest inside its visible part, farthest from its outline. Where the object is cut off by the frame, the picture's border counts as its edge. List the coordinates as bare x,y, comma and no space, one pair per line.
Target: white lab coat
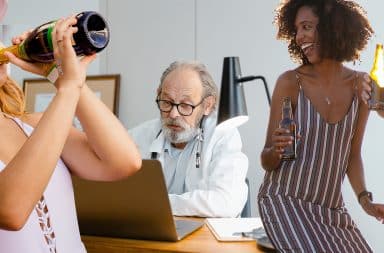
217,188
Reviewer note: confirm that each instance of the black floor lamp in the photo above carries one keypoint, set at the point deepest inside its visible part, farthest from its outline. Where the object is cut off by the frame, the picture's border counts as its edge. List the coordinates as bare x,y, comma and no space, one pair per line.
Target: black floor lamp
232,106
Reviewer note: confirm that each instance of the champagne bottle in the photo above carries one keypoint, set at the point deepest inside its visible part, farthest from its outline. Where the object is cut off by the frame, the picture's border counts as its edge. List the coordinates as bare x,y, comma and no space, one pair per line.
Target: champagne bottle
92,37
376,101
287,122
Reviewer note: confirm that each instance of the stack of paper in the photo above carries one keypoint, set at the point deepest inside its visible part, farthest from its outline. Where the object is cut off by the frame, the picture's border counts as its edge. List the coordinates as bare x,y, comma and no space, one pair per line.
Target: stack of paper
234,229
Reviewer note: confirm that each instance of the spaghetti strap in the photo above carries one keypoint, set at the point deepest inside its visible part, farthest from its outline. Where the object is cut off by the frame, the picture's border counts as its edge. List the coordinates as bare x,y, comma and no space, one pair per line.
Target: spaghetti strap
355,84
356,81
298,79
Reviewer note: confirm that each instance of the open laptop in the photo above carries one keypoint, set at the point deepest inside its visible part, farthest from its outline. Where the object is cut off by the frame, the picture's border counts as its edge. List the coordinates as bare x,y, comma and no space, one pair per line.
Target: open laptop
136,207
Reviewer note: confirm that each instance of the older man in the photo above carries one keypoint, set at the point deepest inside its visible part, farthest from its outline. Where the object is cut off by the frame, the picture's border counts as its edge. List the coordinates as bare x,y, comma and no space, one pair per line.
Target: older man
204,167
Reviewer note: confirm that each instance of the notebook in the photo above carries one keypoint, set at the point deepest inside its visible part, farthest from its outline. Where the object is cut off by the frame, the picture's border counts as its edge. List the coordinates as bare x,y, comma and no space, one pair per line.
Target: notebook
233,229
240,229
136,207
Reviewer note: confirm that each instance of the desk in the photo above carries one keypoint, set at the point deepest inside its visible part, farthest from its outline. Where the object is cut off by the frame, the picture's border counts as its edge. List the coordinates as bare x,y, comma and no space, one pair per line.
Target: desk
201,240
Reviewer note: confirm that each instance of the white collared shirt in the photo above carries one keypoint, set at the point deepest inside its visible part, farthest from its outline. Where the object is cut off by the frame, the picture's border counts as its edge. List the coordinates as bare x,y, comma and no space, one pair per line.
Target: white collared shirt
217,188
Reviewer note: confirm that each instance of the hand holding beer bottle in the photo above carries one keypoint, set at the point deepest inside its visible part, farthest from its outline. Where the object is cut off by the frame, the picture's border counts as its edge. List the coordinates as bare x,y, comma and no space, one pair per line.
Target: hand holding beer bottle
287,122
373,85
35,47
285,136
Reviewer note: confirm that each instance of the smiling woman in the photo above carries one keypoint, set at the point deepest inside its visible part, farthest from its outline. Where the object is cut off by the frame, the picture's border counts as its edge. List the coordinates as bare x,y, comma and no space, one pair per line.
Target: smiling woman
300,201
330,22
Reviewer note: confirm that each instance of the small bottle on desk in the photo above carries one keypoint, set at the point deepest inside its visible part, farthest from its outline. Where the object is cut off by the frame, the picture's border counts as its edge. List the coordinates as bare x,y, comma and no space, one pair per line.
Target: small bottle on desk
288,123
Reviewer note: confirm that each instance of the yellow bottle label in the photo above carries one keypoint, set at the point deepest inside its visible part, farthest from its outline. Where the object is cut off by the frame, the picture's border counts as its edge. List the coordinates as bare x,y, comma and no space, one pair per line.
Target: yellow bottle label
377,72
376,101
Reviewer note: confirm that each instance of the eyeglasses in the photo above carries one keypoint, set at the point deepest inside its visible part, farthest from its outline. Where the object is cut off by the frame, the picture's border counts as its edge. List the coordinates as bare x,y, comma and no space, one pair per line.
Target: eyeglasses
183,108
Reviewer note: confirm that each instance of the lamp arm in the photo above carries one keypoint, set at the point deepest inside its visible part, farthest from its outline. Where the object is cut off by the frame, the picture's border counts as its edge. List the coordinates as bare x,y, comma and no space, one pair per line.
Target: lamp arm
251,78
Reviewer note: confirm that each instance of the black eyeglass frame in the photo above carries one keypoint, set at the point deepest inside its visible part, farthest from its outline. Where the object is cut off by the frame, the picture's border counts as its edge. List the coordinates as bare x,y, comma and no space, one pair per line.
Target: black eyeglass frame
177,106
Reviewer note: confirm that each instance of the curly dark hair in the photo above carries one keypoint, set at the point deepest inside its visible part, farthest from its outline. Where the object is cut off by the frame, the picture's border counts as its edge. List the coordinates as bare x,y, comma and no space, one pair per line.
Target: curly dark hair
343,29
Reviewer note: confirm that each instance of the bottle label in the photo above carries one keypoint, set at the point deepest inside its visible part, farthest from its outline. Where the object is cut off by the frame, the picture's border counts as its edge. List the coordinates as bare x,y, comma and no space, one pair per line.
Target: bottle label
51,25
53,74
49,36
290,150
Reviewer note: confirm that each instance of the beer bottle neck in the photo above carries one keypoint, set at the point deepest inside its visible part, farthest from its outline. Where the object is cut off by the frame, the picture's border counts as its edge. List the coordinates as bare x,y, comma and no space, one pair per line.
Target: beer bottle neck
378,61
287,109
377,71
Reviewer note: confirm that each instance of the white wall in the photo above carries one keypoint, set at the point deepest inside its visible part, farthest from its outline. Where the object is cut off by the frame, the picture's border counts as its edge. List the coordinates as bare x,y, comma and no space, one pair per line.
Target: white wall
147,35
227,28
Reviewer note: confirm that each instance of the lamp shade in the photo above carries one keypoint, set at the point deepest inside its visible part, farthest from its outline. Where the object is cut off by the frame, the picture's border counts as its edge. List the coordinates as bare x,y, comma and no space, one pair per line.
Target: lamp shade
232,106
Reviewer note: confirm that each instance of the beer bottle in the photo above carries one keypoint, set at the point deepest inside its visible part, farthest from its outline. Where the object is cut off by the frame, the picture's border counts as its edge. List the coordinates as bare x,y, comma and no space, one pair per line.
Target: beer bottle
287,122
92,37
376,101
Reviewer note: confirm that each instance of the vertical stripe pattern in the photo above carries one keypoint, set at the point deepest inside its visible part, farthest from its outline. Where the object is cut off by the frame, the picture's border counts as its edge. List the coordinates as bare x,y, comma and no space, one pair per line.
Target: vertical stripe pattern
300,202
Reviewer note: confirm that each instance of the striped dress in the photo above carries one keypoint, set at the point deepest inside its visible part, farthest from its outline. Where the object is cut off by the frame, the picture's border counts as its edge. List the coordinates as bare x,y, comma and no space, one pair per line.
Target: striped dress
300,202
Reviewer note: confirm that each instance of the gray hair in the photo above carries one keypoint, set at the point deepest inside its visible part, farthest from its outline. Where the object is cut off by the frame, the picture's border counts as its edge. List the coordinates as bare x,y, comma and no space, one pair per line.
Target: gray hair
209,86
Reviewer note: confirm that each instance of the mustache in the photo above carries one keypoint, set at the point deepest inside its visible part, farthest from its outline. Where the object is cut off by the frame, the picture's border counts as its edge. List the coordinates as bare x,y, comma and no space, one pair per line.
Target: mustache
177,122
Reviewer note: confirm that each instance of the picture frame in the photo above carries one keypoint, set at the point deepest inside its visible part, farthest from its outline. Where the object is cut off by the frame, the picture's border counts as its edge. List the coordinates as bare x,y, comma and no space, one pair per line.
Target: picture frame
39,92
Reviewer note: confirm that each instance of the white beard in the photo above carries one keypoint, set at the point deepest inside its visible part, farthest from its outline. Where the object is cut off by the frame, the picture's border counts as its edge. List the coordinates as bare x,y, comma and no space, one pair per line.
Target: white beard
172,136
184,136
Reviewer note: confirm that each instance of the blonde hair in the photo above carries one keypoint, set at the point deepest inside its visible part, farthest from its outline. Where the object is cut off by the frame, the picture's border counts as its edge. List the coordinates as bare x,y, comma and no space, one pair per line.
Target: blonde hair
11,98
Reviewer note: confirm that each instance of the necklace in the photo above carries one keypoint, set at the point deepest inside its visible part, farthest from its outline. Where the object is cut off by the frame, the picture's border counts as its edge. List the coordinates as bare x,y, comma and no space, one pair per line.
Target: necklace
327,100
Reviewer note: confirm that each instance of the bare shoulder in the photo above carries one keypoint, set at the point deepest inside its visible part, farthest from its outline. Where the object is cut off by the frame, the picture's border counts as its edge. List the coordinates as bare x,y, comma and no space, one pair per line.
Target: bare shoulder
287,84
32,118
287,80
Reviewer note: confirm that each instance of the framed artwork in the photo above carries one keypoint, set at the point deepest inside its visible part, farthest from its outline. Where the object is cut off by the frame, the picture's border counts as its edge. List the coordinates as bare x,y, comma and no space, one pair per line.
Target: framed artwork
39,92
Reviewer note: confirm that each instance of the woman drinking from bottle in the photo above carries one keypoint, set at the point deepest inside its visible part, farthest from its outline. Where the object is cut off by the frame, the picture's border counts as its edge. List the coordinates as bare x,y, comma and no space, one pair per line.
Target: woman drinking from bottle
38,153
300,201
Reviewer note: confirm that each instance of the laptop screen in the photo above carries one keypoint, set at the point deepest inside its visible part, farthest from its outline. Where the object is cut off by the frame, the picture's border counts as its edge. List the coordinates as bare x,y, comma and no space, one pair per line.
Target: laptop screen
135,207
